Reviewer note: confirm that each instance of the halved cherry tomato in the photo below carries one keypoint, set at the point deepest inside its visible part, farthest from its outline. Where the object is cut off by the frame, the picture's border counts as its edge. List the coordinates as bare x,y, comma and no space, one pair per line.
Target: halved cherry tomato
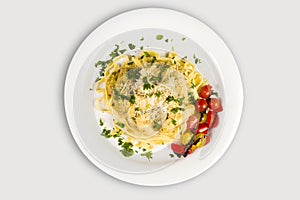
211,116
202,128
215,105
207,139
178,149
201,105
205,91
216,122
192,123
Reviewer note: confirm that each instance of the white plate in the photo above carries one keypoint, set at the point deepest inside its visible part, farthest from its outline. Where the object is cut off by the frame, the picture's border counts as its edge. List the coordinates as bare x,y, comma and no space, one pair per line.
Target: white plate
218,66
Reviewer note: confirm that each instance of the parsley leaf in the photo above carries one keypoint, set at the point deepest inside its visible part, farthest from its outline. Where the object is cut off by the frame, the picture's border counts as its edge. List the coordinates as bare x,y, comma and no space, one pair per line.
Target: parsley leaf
106,133
146,54
120,124
148,155
175,110
174,122
101,122
183,38
171,155
131,46
142,38
127,150
159,37
158,94
122,51
137,109
132,99
133,74
191,98
157,126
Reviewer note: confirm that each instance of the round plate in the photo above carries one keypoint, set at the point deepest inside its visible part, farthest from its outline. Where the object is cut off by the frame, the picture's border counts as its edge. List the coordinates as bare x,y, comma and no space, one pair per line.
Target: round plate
187,36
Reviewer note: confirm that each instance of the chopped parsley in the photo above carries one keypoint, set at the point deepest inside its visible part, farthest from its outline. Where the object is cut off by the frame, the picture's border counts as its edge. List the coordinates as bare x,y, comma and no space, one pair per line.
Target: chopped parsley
144,149
146,54
133,74
192,85
142,38
148,155
137,109
132,99
171,98
171,155
120,124
115,52
118,134
153,59
197,60
174,122
183,38
127,150
122,51
101,122
106,133
191,98
157,126
159,37
175,110
147,85
141,47
214,93
167,40
158,94
131,46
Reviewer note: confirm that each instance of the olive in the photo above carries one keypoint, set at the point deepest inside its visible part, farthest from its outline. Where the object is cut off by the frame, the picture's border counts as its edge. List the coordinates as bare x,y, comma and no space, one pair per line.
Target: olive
203,118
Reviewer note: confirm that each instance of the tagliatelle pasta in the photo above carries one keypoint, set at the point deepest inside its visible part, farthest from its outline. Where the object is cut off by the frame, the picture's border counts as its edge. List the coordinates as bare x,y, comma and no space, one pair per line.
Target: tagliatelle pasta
149,96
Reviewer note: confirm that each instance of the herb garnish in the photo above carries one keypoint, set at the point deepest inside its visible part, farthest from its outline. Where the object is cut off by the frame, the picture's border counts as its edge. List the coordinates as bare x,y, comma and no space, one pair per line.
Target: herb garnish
142,38
146,54
171,98
197,60
147,85
127,150
153,59
122,51
192,85
174,122
159,37
175,110
214,93
131,46
183,38
101,122
148,155
106,133
133,74
157,126
158,94
137,109
171,155
141,47
167,40
191,98
132,99
120,124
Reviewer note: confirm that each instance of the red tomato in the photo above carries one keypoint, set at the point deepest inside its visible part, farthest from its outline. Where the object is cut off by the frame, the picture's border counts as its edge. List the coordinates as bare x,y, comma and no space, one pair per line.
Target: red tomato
192,123
202,128
207,140
215,105
211,116
177,148
205,91
201,105
216,122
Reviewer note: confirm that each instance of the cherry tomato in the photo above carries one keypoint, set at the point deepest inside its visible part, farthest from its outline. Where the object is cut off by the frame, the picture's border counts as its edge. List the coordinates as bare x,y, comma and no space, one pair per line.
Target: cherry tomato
201,105
178,149
211,116
202,128
205,91
192,123
207,139
215,105
216,122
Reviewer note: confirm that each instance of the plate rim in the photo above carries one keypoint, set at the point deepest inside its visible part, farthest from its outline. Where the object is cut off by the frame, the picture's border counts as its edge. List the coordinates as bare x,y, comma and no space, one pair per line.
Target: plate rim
79,57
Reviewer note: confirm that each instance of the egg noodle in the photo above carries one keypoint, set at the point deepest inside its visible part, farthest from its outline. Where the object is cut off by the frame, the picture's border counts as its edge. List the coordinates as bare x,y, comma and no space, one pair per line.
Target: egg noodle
150,96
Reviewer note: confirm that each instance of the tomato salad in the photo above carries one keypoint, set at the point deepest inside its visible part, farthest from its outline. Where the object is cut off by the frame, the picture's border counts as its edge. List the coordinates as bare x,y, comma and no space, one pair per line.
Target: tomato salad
207,107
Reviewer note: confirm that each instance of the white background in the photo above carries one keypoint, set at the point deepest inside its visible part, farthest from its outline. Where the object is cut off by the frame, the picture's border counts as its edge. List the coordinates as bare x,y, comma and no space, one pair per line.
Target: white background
38,156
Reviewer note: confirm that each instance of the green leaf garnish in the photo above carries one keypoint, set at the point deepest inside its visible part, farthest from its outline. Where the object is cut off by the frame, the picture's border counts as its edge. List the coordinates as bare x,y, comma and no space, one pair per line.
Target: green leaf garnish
175,110
142,38
146,54
158,94
132,99
122,51
157,126
120,124
148,155
171,155
106,133
131,46
101,122
127,150
159,37
133,74
183,38
174,122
